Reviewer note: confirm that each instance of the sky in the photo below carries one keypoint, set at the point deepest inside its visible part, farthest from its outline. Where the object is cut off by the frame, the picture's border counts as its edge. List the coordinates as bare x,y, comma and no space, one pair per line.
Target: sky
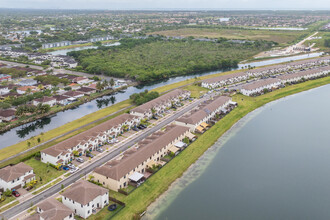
166,4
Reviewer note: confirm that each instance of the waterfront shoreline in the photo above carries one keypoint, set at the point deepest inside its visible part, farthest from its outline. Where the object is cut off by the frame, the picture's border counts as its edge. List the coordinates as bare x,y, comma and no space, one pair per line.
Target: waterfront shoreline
162,180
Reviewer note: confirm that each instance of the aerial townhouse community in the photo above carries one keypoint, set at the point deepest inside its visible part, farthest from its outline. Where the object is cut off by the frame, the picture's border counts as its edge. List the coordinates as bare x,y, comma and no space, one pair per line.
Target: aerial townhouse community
141,159
131,167
90,140
265,85
292,67
160,104
198,119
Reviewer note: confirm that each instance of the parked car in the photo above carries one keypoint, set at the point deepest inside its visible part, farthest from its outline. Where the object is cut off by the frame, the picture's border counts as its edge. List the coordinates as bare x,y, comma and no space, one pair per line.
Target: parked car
71,166
154,117
74,170
135,129
65,168
80,160
144,126
15,193
140,127
89,155
112,207
99,150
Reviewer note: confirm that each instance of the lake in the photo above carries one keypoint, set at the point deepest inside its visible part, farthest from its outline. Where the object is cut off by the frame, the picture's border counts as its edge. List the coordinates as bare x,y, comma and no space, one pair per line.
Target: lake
273,164
29,130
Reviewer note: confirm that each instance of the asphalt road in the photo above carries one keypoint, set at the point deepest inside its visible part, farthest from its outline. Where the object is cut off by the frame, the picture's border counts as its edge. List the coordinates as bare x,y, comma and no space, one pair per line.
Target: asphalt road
84,171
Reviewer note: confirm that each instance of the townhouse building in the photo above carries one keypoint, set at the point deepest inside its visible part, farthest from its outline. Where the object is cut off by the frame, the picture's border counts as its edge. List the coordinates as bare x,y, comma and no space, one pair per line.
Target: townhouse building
224,80
62,153
84,197
52,209
160,104
131,166
259,86
4,89
307,74
15,176
204,112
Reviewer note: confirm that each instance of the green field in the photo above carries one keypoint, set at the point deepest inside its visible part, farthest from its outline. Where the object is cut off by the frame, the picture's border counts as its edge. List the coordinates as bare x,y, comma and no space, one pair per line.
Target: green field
279,36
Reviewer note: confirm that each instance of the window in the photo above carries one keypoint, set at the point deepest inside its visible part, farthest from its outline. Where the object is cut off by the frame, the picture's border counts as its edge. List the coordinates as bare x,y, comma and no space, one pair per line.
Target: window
105,201
81,206
72,201
88,212
87,204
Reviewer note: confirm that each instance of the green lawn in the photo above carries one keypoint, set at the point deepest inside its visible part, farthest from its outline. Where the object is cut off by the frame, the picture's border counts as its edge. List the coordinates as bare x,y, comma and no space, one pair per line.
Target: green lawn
196,91
47,173
8,200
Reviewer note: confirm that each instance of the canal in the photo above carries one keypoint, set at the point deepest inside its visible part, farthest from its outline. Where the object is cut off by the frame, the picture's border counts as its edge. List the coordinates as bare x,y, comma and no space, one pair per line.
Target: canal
29,130
273,164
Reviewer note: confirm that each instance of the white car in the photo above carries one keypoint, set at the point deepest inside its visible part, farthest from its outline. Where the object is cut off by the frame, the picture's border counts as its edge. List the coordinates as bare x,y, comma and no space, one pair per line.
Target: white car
74,170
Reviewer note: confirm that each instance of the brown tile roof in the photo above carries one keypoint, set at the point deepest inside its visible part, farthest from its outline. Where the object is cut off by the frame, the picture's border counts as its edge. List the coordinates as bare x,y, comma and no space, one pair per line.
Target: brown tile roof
203,110
54,210
84,192
304,73
44,99
224,77
60,97
157,101
10,173
72,93
260,83
7,112
132,158
63,146
85,89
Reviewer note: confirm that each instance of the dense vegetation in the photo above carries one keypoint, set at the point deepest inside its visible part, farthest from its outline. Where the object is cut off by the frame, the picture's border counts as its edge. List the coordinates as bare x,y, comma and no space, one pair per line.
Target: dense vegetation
154,58
15,73
327,42
143,97
51,79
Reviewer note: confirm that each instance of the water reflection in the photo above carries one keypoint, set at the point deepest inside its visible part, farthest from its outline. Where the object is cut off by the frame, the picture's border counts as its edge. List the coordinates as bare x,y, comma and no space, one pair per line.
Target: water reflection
105,102
28,128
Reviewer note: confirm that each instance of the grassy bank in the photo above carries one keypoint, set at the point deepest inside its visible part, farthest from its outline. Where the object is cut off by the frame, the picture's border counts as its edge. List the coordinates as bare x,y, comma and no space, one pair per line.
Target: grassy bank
22,146
141,198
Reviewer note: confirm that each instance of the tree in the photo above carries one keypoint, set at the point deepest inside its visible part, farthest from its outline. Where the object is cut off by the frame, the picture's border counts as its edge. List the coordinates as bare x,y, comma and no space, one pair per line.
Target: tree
39,140
7,193
112,82
99,86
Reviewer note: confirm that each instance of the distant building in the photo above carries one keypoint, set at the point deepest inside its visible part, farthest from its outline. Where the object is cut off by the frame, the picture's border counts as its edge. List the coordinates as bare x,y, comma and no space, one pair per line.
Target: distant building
5,77
45,101
28,82
7,115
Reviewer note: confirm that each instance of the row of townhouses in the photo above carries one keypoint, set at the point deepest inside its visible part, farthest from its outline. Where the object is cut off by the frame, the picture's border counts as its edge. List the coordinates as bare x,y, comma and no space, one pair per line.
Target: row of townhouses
160,104
204,113
62,153
293,67
131,166
82,198
259,86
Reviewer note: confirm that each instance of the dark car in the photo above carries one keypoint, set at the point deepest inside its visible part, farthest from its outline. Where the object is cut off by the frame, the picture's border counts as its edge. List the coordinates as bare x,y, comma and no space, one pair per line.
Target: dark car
154,117
89,155
144,126
15,193
141,127
65,168
135,129
112,207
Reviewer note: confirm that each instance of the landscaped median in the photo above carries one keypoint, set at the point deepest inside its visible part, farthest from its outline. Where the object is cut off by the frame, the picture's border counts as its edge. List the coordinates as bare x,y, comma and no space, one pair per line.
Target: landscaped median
142,197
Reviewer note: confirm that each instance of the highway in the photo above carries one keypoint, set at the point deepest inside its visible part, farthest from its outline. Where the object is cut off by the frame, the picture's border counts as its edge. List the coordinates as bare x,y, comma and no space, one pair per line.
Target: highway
10,213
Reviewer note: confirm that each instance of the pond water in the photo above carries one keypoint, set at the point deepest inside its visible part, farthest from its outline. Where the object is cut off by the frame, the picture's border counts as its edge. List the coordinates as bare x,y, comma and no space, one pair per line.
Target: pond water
65,51
28,130
273,164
